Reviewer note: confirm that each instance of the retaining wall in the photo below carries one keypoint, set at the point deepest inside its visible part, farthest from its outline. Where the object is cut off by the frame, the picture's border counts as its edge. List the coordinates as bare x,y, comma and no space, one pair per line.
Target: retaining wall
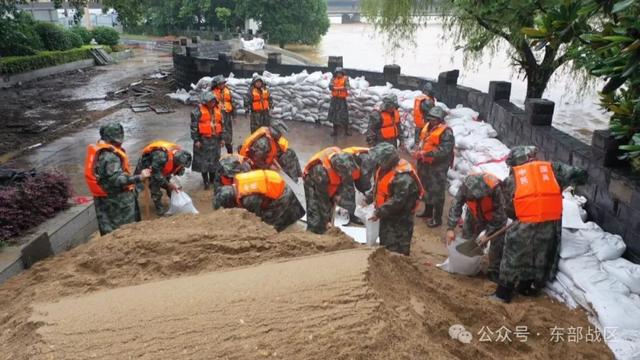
612,190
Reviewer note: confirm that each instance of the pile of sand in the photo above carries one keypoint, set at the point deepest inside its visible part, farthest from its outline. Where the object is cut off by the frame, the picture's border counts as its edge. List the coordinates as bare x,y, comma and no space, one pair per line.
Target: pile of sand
224,285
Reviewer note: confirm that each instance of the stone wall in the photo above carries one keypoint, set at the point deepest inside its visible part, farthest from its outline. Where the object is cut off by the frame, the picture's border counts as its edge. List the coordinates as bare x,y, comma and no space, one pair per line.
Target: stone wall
612,190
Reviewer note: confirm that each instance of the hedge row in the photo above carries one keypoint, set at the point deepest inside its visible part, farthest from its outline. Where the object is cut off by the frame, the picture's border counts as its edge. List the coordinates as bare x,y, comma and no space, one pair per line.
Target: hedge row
19,64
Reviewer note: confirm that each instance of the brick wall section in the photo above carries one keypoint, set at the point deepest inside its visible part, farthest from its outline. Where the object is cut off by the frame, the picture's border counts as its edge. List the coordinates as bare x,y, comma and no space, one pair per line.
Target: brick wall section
613,192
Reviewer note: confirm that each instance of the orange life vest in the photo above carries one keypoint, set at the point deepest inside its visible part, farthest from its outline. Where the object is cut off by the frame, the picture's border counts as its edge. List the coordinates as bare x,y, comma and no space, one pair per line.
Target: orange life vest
383,183
418,116
224,98
430,140
486,203
169,148
206,127
339,89
93,151
282,144
267,183
355,151
389,128
323,157
260,99
538,197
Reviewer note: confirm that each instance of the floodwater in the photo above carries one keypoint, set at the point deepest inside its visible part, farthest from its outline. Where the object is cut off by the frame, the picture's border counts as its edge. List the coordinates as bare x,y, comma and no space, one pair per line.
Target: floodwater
577,111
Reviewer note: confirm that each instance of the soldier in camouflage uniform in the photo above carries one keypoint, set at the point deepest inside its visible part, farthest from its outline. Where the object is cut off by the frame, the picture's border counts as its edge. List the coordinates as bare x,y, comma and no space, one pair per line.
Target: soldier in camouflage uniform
434,156
206,150
157,160
279,213
338,108
366,166
428,102
374,133
483,193
320,203
258,152
258,103
118,205
230,165
394,207
228,107
531,250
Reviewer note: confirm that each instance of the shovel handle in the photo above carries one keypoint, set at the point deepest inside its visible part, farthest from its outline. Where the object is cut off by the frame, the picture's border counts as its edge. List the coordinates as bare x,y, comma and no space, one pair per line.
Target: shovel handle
499,232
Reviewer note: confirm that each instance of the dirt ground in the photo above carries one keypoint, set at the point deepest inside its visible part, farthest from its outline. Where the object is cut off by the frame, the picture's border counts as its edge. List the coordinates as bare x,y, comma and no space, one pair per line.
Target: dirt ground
187,287
40,111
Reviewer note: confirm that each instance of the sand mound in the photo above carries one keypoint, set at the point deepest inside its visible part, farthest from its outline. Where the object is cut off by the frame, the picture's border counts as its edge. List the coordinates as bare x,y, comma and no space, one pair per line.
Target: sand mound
224,285
146,251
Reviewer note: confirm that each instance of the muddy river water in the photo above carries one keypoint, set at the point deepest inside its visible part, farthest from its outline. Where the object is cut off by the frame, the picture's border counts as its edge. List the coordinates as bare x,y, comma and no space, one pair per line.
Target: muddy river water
577,110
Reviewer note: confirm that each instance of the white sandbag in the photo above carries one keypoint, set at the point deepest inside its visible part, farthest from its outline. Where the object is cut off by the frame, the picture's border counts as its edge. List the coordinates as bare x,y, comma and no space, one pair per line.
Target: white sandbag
181,204
608,247
499,169
254,44
624,271
458,263
454,186
600,281
572,244
181,95
460,111
364,213
204,84
615,310
556,290
581,264
573,291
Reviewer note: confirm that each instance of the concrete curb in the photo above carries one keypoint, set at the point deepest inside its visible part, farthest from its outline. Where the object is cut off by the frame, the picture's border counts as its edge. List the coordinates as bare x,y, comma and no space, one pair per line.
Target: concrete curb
63,232
122,55
10,80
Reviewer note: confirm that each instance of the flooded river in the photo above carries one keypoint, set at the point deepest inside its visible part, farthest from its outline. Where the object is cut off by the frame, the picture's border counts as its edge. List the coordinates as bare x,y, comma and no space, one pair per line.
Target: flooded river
577,110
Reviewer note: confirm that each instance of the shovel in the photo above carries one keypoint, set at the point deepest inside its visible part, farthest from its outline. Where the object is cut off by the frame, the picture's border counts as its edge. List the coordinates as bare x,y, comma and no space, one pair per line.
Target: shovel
471,248
146,200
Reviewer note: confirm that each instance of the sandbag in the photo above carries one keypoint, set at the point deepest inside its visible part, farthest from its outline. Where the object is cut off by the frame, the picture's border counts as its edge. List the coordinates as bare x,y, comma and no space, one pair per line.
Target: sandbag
615,310
458,263
181,204
608,247
624,271
572,244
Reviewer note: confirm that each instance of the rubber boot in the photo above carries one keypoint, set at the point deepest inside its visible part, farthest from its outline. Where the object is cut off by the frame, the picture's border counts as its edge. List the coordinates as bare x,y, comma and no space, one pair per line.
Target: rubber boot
427,212
436,220
335,130
525,288
229,148
205,180
347,130
503,294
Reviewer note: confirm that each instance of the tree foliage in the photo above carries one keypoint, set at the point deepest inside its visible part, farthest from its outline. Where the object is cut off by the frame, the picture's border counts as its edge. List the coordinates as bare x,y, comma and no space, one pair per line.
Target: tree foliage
478,26
289,21
223,14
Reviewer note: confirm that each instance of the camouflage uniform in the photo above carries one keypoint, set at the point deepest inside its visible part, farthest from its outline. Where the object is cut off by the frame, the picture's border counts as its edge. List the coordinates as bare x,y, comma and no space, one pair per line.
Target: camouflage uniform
230,165
338,108
120,206
227,117
396,214
373,135
260,118
320,205
288,160
156,160
475,188
434,176
531,251
207,156
363,184
278,213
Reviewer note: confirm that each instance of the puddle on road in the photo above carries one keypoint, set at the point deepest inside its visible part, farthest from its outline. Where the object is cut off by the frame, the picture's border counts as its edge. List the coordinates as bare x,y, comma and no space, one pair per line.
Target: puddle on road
101,105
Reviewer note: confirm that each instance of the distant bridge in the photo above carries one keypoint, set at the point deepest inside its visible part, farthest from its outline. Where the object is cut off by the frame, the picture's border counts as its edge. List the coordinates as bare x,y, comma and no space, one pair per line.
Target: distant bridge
349,10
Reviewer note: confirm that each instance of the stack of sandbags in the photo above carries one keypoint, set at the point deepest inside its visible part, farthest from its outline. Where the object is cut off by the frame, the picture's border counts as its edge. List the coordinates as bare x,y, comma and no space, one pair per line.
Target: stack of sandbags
593,275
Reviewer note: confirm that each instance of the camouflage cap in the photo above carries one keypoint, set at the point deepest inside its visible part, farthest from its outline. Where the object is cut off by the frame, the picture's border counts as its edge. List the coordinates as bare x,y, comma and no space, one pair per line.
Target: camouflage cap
384,154
475,186
521,155
112,132
225,197
427,89
183,158
230,165
437,113
219,79
277,128
427,105
207,97
390,100
344,164
257,78
340,70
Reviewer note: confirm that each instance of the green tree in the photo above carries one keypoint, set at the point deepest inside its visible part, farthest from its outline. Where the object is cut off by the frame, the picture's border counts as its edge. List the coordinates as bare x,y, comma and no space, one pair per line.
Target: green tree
478,25
223,14
289,21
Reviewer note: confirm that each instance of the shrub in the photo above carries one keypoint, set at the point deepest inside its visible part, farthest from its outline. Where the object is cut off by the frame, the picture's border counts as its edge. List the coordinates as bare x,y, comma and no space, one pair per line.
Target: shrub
18,64
29,203
118,48
73,38
83,33
106,36
53,36
18,36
